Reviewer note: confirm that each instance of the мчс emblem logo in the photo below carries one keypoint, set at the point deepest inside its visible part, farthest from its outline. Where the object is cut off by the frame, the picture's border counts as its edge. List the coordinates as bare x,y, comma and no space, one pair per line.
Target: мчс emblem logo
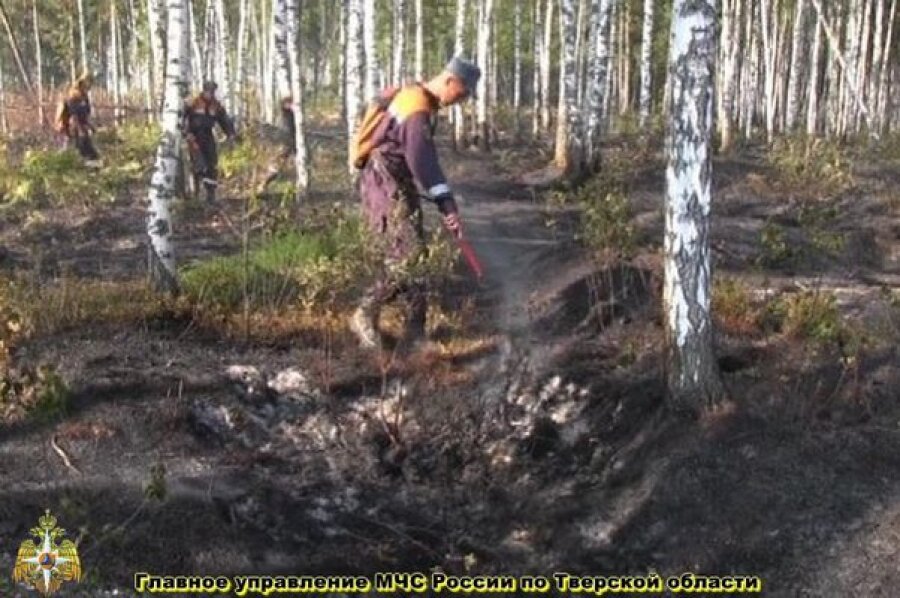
45,565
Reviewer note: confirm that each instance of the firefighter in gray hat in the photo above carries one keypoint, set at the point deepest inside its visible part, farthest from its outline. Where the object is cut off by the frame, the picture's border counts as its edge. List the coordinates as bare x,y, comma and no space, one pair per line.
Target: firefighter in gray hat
399,162
201,115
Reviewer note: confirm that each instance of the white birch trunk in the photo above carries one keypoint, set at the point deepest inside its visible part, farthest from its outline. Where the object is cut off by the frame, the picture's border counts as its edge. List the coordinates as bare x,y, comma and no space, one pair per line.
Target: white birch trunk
163,182
195,65
646,48
881,96
546,47
579,49
269,91
292,46
571,158
399,40
39,61
750,90
240,101
115,60
877,39
768,26
598,73
371,52
420,42
354,74
517,69
793,103
812,102
157,35
624,61
4,121
483,45
209,43
613,70
863,60
85,65
223,62
693,376
279,37
459,129
849,78
537,52
560,146
728,80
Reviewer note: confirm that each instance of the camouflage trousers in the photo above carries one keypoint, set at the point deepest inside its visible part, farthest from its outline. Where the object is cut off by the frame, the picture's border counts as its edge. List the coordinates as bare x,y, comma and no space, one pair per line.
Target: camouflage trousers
401,252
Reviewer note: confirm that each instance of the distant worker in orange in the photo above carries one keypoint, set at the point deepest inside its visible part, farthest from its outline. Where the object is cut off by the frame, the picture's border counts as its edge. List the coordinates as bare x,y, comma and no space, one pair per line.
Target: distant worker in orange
73,119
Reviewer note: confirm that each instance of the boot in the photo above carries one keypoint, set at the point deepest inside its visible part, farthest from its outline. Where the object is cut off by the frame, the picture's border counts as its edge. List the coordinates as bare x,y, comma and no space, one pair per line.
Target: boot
414,329
364,324
210,191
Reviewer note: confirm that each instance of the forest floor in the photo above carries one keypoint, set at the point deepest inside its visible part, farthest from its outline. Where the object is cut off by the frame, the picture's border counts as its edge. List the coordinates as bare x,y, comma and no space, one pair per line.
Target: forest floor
533,439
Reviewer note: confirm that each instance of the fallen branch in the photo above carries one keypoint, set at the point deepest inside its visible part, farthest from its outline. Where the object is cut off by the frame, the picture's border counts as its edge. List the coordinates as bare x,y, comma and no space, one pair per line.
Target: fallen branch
62,455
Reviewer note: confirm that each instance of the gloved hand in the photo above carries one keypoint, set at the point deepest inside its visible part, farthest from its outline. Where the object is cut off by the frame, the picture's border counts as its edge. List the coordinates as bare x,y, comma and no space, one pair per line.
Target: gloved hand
453,224
447,206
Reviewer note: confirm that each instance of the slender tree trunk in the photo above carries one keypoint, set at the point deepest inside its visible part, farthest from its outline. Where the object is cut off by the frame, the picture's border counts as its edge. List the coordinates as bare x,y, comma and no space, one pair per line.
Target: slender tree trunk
693,377
162,185
728,79
793,103
646,53
750,90
4,121
399,40
195,65
459,129
14,45
240,107
280,26
881,97
812,103
420,43
114,61
371,87
83,37
223,63
517,70
39,61
546,47
571,159
769,44
598,73
292,47
353,61
624,61
537,54
157,35
484,34
73,52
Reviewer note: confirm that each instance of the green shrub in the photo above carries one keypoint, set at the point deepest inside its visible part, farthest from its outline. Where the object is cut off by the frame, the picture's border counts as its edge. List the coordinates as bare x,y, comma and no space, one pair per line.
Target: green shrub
606,225
733,307
775,250
810,167
321,260
810,315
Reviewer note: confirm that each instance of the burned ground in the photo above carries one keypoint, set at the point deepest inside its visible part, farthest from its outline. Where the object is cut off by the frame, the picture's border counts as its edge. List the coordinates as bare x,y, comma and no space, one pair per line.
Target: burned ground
544,445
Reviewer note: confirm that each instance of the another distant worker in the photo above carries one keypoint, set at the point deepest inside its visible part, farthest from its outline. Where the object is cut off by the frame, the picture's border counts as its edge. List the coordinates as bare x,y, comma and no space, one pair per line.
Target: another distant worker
73,119
201,115
289,137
